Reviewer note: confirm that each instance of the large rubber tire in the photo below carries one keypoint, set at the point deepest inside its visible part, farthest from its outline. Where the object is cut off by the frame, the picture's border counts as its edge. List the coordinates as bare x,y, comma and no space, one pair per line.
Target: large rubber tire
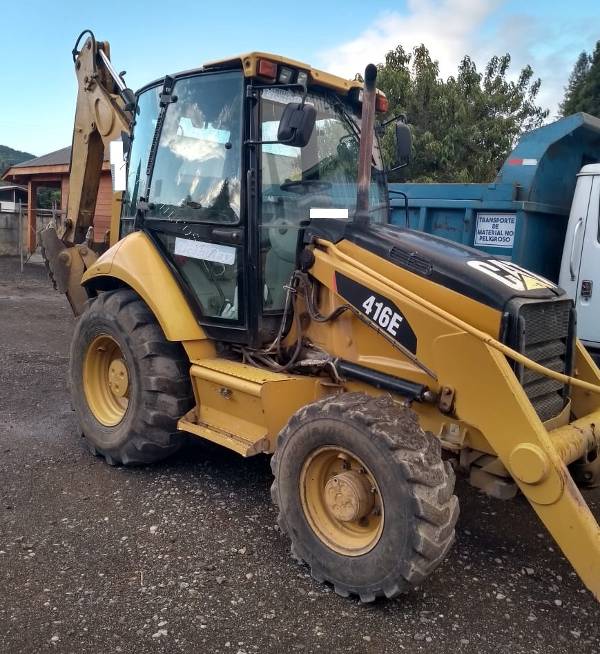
416,485
159,392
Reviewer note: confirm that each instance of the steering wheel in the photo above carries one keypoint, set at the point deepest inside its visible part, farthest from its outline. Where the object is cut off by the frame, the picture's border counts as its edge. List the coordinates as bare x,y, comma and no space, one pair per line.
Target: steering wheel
304,186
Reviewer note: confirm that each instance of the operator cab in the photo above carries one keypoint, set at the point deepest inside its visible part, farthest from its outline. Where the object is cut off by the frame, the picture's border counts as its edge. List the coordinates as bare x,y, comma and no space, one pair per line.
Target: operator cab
219,182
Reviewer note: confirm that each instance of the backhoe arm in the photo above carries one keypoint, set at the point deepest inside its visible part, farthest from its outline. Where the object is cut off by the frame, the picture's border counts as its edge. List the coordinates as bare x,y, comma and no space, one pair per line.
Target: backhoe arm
103,112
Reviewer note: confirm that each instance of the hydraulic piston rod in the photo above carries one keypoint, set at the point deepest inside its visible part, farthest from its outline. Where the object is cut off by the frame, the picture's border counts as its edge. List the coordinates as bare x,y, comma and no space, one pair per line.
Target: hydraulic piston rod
577,439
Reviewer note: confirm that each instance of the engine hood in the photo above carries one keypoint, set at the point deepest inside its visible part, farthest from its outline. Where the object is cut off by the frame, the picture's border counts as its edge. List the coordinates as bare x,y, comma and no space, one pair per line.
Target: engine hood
479,276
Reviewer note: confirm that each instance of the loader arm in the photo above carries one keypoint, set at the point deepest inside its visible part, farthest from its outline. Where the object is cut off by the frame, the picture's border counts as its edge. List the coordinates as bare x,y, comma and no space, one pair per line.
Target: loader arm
103,112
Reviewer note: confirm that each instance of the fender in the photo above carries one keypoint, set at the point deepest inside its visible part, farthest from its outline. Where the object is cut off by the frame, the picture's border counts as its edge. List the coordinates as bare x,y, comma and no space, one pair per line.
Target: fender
135,263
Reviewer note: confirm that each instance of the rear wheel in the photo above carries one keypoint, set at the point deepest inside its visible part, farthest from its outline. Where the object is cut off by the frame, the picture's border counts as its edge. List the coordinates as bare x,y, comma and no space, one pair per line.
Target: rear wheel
364,495
128,383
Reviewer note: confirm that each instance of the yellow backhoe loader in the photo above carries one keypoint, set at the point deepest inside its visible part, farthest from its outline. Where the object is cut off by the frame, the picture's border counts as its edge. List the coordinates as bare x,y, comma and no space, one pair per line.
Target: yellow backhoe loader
254,295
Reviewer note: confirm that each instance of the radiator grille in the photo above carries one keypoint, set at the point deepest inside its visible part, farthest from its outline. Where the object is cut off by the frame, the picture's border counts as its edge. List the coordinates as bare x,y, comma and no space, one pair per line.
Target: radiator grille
544,335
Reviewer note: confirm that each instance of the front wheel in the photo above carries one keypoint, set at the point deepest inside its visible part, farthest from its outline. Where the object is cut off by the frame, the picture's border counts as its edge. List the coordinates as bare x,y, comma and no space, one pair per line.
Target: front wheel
364,495
129,384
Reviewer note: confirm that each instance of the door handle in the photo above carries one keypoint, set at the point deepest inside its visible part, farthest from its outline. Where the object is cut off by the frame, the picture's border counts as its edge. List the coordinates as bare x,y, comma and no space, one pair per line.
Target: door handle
575,232
587,286
227,235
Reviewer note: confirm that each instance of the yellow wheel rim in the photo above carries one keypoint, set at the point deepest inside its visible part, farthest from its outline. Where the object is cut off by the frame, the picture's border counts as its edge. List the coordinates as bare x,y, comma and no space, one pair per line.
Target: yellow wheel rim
106,381
341,501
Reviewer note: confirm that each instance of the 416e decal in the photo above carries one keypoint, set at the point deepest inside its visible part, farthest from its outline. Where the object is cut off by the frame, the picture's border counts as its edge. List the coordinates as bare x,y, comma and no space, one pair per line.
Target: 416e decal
383,315
379,310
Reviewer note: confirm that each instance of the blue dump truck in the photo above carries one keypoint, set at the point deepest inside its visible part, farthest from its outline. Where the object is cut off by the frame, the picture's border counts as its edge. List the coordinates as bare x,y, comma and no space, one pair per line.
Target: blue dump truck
541,213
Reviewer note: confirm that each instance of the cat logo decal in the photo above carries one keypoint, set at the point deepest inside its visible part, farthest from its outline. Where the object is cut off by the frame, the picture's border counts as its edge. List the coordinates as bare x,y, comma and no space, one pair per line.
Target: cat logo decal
511,275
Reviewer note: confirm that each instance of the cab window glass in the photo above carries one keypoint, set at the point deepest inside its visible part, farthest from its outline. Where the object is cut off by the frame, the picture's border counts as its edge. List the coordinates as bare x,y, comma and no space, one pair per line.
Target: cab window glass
598,205
320,176
197,172
146,117
212,272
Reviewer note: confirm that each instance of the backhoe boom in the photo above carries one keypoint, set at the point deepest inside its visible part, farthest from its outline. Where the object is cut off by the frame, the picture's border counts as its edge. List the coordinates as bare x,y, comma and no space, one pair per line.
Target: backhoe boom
103,113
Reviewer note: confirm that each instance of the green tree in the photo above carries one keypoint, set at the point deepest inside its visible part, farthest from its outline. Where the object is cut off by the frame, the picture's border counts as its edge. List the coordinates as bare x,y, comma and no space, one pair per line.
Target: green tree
464,126
583,90
10,157
48,197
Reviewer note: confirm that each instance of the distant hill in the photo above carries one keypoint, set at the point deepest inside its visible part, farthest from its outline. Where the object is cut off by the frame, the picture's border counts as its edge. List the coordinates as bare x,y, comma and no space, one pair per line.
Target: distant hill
10,157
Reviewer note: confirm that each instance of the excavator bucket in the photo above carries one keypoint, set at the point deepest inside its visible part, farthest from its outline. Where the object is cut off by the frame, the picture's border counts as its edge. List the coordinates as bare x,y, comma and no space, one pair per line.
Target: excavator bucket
66,266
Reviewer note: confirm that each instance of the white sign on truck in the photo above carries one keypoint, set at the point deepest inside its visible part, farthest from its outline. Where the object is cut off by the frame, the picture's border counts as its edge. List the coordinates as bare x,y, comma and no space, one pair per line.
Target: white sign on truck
495,229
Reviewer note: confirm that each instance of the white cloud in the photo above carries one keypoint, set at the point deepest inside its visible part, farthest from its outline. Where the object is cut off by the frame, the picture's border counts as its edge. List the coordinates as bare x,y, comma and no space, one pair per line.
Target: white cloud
452,28
447,27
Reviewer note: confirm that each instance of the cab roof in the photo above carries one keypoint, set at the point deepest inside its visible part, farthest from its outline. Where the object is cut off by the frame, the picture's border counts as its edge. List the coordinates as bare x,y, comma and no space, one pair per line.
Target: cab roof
249,64
590,169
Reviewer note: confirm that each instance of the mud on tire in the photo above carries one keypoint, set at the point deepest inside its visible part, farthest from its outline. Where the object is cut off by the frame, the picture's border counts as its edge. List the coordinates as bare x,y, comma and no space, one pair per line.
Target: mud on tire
160,390
416,486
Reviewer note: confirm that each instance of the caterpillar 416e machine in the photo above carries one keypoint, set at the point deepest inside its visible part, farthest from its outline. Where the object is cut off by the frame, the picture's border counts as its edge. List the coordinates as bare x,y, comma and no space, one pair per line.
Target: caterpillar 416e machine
254,295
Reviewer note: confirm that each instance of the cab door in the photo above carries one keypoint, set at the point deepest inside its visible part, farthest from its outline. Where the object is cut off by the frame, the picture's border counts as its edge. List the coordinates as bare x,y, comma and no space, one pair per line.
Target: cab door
588,272
194,209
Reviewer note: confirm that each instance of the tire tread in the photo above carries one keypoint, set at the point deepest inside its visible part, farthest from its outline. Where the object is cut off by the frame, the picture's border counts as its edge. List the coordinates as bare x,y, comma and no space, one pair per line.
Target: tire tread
418,454
166,386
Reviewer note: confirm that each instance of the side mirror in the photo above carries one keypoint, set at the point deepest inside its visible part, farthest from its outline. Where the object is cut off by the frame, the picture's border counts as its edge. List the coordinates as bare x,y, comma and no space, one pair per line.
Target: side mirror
403,143
297,124
118,166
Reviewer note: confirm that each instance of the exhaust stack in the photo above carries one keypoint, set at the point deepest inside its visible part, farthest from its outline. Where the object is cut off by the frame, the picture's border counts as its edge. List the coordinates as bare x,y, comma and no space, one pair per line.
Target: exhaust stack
365,154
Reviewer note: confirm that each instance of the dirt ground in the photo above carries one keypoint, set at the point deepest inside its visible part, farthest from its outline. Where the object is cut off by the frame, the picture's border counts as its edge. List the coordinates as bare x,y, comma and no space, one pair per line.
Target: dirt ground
185,556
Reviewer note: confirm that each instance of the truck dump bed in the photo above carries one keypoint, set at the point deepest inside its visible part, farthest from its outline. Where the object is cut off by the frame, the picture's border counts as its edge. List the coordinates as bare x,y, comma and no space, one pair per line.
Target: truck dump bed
522,216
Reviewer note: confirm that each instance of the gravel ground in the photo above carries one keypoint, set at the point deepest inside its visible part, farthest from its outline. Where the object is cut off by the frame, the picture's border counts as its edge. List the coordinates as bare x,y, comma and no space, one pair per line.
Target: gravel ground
185,556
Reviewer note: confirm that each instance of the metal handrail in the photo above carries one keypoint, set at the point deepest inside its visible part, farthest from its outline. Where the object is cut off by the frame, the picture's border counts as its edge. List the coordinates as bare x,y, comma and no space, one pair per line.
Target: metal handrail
461,324
575,232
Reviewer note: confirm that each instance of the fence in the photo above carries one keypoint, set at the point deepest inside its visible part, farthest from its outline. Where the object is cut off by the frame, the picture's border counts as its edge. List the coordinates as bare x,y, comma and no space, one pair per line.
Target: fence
13,229
9,207
11,233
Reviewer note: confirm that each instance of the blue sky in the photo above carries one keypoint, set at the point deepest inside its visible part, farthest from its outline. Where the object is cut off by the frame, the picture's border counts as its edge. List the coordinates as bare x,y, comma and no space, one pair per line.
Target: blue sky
152,38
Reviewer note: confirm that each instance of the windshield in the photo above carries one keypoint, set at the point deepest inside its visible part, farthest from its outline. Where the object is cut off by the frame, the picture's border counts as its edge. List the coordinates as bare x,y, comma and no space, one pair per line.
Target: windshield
198,163
299,182
316,181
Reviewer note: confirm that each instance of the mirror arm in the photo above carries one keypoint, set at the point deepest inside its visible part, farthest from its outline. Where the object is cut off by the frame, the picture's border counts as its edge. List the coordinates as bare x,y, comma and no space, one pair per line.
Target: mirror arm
403,194
397,117
391,170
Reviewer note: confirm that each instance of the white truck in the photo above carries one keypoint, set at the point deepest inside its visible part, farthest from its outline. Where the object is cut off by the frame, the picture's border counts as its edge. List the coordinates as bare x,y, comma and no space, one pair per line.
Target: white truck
580,267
